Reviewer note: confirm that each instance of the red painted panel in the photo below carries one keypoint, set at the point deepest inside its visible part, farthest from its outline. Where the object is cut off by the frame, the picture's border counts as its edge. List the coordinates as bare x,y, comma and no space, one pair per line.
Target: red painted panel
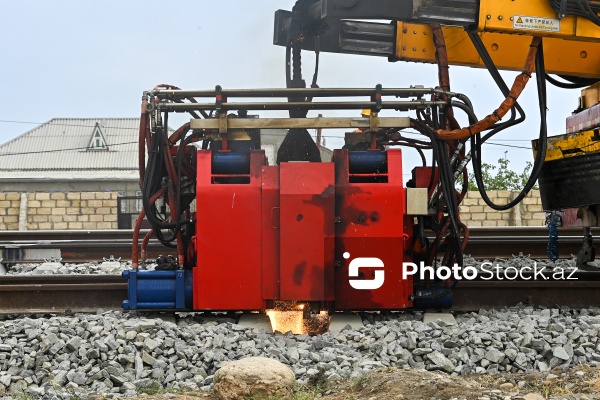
422,177
371,224
270,233
307,226
228,271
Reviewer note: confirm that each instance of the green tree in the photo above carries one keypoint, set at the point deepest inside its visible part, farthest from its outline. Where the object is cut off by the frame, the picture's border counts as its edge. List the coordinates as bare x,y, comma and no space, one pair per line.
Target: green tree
501,177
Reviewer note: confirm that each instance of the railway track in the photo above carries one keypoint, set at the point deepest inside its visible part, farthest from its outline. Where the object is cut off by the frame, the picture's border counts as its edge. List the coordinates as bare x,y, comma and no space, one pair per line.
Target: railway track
67,294
83,246
64,294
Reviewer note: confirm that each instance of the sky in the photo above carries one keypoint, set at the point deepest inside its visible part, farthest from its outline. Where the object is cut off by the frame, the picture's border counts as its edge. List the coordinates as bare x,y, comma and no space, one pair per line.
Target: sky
93,59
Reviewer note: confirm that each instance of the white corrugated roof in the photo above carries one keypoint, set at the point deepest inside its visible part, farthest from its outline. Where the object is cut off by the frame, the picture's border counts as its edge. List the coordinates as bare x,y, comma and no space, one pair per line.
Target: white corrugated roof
58,149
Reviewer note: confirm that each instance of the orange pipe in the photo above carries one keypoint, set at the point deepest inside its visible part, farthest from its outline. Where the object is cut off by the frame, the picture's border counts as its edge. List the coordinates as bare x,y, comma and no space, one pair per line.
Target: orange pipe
441,56
508,103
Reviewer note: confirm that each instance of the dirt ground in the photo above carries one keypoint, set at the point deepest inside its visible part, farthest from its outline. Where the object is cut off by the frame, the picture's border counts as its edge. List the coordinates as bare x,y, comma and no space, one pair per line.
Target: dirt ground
577,383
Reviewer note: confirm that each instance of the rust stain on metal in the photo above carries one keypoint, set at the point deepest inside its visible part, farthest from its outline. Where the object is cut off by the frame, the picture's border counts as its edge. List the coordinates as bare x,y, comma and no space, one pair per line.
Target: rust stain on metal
299,272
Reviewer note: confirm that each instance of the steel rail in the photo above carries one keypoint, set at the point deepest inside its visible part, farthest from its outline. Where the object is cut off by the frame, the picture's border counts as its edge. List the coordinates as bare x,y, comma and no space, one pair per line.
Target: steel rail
60,294
68,294
475,295
83,246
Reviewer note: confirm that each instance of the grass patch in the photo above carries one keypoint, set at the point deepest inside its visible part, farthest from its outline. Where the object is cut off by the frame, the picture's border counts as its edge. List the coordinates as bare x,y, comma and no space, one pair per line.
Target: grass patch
153,388
316,386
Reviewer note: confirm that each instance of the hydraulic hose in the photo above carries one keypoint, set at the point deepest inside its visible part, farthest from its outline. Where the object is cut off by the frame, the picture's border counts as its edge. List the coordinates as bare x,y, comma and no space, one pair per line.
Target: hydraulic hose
508,103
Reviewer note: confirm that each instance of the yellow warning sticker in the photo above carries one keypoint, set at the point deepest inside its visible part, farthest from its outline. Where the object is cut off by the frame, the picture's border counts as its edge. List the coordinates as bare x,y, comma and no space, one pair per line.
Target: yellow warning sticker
536,23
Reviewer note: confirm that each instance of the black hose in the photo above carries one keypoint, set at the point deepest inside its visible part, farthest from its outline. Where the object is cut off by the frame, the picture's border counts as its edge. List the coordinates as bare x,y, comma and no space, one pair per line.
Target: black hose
477,140
565,85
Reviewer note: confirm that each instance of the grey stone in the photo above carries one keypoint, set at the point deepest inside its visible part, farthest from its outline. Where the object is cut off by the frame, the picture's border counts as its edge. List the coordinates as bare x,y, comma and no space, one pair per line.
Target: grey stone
150,345
148,359
5,380
561,353
542,366
441,361
73,344
78,378
293,355
422,351
527,338
494,355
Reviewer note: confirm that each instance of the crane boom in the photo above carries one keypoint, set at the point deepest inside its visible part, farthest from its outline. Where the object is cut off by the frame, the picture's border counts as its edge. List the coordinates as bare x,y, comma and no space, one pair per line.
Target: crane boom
572,43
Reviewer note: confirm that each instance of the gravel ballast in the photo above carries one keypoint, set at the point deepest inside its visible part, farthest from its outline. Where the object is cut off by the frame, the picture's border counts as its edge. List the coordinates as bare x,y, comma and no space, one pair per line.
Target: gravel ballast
118,353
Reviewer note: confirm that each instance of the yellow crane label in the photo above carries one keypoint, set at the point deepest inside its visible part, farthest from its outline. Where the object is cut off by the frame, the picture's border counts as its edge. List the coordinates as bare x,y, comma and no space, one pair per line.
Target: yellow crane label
536,23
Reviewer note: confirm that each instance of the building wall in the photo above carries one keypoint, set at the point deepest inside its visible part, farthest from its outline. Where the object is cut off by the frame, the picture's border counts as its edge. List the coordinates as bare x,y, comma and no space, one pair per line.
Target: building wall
98,210
127,188
474,211
57,210
9,211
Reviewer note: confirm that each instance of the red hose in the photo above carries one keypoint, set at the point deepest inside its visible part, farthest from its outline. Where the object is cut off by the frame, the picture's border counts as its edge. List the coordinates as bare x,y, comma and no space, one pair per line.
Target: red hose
136,230
145,244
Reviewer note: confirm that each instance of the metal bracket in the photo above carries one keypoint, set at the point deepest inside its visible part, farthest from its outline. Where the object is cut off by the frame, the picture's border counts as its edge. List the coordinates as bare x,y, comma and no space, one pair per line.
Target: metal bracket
587,253
223,122
374,122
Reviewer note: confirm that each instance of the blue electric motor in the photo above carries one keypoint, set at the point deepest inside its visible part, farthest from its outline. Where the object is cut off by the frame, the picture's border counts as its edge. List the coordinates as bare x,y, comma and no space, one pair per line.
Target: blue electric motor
158,290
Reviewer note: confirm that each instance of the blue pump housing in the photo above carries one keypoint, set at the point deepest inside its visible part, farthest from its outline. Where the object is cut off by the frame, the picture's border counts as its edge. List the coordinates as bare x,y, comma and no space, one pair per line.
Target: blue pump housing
425,297
158,290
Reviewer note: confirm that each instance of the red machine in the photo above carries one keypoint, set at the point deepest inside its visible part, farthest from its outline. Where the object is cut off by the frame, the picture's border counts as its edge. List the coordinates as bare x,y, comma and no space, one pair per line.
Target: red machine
280,233
330,235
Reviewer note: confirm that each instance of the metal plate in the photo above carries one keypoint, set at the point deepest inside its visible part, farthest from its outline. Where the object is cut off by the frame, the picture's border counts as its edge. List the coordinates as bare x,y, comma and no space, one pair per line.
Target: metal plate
307,224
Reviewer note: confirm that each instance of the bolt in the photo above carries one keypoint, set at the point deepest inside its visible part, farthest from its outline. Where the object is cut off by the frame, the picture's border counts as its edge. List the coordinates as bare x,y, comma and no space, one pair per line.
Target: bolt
403,47
405,30
424,50
414,32
488,16
414,49
500,17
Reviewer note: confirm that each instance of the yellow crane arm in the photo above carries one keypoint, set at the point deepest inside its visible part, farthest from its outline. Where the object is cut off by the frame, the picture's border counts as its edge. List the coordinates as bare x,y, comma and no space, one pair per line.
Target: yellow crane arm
571,44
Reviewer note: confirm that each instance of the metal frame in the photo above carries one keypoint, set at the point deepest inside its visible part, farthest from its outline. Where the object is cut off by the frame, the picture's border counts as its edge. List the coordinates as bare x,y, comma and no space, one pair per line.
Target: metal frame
303,123
172,100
